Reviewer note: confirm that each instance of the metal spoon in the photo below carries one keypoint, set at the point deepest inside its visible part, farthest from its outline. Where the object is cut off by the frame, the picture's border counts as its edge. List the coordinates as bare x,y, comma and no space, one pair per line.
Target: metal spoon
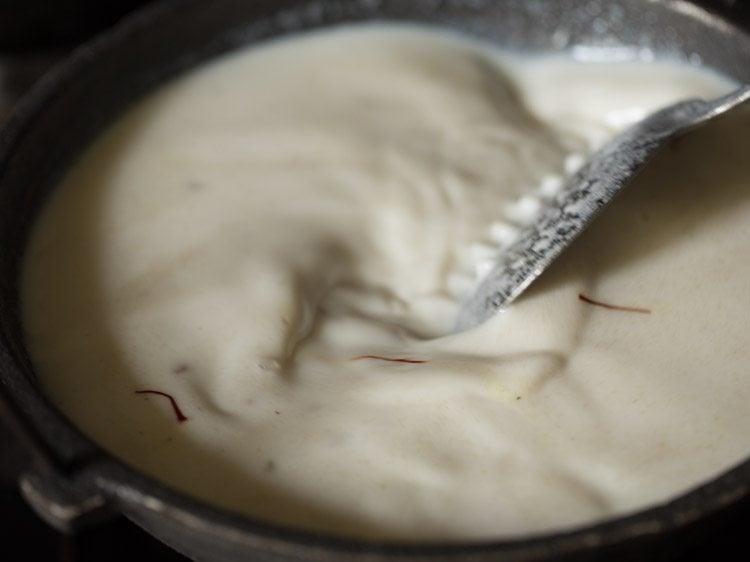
583,198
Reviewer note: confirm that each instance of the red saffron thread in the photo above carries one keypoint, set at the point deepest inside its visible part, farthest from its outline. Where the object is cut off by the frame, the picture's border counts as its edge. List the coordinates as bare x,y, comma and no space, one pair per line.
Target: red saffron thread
177,412
609,306
392,359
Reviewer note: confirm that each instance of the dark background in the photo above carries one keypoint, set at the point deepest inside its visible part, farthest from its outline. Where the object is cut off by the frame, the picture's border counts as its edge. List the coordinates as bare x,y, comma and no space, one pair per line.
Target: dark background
33,35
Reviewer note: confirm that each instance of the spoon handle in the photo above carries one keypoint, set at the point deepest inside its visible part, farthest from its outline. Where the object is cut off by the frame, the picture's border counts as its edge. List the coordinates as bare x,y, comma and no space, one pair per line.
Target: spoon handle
582,199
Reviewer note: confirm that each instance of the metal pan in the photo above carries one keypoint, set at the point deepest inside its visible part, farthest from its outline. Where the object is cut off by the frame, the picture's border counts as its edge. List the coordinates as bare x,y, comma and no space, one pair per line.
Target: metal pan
72,481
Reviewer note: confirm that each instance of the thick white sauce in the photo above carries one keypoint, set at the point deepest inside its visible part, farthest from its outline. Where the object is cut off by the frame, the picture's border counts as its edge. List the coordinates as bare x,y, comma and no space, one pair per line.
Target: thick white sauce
252,237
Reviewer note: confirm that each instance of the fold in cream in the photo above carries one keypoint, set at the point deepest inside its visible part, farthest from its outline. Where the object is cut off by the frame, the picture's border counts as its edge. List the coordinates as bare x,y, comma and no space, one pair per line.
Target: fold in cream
280,240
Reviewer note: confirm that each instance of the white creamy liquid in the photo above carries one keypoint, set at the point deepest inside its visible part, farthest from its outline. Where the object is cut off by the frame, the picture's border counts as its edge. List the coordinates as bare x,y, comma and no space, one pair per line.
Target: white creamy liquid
263,237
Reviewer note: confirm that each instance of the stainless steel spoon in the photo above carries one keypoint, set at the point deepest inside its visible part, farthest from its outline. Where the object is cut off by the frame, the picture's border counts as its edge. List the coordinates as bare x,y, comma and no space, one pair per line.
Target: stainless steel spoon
583,198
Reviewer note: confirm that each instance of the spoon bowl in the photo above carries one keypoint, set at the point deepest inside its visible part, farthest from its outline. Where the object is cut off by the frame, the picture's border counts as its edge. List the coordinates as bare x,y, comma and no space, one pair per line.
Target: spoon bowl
583,198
